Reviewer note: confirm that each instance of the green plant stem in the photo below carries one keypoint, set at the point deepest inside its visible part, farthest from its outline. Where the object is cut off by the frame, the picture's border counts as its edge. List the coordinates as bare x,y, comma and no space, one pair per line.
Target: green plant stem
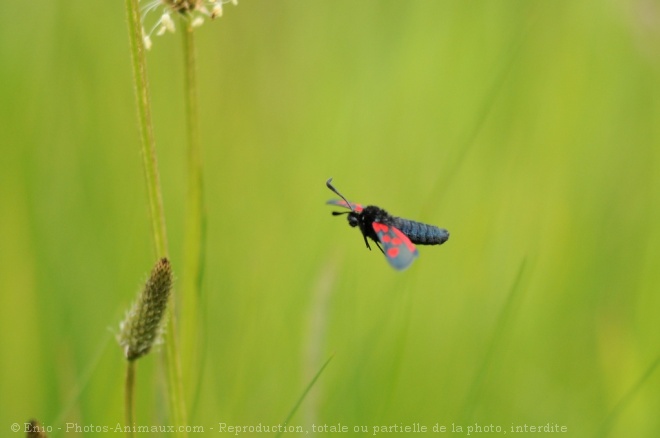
172,361
129,396
195,218
194,245
146,130
504,319
305,392
607,425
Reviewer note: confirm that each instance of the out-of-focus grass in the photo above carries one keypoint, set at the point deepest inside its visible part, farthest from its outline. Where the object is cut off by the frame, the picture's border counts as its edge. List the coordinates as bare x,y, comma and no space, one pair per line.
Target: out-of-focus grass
528,129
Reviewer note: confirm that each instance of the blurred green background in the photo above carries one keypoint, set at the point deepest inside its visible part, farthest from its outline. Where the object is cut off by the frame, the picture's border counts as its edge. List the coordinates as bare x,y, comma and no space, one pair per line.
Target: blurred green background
529,129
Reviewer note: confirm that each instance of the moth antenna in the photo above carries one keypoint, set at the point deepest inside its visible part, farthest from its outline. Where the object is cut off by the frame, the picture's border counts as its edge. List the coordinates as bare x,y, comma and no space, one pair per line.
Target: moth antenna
331,187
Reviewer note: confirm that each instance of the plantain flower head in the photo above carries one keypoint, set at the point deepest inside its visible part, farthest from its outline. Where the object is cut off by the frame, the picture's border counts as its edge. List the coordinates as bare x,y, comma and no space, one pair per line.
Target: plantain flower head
192,12
142,326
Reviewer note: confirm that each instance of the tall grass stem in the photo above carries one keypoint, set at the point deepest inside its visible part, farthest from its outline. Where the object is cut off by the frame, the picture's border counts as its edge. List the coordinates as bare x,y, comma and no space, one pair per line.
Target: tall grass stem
504,320
172,361
608,424
146,129
129,394
305,392
195,220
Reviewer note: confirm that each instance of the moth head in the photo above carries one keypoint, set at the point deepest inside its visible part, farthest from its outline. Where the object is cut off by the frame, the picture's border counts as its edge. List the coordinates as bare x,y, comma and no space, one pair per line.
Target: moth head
353,219
352,216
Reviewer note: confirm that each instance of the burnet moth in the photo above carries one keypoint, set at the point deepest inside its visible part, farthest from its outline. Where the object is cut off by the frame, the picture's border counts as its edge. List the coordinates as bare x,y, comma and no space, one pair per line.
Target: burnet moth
397,236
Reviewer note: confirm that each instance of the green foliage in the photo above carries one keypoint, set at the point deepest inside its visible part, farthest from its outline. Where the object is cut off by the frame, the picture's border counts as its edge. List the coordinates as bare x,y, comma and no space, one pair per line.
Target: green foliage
530,130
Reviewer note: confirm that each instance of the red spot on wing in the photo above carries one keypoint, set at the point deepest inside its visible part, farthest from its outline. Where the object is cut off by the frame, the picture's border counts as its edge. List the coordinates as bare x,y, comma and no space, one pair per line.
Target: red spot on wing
404,239
380,228
393,240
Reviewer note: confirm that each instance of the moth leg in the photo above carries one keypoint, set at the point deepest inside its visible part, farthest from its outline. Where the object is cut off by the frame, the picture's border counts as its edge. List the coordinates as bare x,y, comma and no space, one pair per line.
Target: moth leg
367,242
380,248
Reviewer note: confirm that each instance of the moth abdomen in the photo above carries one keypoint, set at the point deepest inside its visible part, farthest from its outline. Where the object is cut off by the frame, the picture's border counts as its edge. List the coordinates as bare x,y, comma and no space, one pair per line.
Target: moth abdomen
420,233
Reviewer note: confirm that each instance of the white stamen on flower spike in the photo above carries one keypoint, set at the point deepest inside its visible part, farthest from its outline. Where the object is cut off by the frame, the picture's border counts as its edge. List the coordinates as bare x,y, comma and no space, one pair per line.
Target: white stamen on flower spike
146,40
193,12
216,11
167,22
